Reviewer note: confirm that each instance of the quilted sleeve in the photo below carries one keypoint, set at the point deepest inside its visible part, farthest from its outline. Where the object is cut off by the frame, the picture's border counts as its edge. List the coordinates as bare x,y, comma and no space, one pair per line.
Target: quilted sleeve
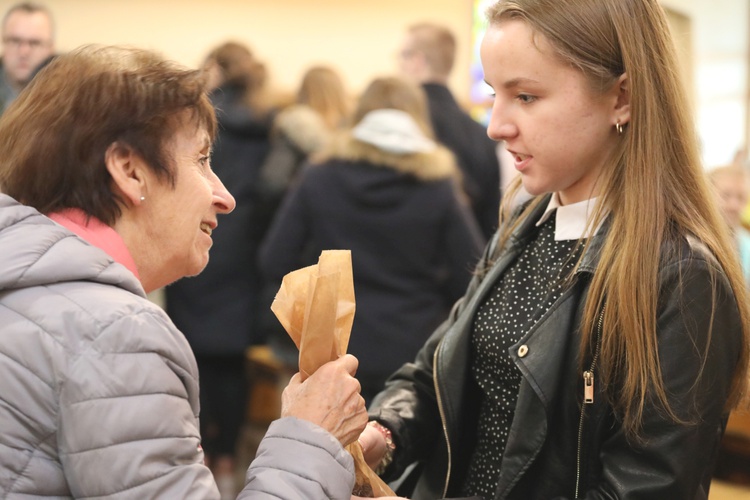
129,414
298,460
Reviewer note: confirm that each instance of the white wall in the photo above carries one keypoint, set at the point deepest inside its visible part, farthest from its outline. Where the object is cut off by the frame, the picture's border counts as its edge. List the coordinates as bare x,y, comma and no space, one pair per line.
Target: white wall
360,38
720,74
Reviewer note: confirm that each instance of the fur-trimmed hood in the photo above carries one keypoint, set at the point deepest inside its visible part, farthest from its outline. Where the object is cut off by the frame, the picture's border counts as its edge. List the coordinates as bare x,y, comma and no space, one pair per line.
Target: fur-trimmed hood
429,166
303,126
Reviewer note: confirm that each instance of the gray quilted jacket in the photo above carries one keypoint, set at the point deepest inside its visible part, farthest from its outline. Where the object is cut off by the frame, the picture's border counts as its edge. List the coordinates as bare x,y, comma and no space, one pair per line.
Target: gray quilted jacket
99,390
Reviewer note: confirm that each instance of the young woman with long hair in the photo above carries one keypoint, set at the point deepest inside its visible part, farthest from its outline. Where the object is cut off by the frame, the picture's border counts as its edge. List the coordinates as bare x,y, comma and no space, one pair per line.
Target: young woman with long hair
604,339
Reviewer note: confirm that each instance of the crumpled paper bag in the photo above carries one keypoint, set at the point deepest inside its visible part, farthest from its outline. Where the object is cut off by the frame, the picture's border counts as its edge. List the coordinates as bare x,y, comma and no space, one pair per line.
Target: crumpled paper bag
315,305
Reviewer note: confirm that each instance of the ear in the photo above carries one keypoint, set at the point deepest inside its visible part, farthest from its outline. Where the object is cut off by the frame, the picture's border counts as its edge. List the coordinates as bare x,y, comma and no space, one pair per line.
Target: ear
621,91
127,171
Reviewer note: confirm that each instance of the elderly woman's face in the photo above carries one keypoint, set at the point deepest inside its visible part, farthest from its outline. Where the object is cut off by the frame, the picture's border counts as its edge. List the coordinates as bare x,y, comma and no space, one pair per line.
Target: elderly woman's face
182,218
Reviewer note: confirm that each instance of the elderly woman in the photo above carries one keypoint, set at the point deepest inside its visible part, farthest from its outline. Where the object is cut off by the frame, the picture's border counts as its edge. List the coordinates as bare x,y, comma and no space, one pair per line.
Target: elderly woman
109,194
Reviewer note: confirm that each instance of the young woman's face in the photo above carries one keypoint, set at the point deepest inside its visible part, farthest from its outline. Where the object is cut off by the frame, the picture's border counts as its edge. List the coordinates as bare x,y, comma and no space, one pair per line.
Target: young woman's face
558,130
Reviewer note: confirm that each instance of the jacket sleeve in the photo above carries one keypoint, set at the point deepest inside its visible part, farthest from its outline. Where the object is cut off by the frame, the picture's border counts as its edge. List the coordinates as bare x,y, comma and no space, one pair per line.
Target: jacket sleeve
698,353
129,414
298,460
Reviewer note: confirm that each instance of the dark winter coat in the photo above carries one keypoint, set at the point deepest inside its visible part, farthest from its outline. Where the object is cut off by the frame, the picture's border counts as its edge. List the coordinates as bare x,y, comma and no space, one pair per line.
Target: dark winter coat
413,243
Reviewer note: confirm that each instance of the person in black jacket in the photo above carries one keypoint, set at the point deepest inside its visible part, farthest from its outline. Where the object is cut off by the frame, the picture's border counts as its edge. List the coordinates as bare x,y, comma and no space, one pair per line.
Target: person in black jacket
426,57
217,310
298,132
604,338
387,192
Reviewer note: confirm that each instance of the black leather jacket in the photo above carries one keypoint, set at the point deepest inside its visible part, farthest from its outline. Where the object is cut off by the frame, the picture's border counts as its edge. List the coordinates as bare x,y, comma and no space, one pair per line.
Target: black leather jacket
558,447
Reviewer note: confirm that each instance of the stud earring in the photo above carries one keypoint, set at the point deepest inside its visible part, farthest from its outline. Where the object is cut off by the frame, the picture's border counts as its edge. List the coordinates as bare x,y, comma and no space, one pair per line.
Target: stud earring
143,198
618,127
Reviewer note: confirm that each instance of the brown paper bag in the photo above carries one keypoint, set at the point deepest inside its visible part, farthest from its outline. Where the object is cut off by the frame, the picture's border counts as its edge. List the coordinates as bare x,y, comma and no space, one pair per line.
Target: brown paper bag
315,305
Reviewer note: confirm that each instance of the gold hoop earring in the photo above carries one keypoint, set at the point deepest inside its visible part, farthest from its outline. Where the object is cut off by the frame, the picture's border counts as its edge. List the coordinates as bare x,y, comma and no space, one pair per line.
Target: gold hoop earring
618,127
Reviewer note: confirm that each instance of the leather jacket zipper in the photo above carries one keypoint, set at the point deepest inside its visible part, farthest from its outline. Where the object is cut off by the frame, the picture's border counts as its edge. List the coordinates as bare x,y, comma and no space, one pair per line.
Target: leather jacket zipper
442,417
588,395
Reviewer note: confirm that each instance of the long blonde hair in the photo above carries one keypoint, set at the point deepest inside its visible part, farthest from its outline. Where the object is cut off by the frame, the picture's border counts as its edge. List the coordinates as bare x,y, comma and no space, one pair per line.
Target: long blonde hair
323,90
653,188
393,92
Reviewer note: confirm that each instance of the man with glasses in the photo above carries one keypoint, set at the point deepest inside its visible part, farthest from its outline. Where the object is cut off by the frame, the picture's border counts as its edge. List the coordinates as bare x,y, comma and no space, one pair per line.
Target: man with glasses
28,42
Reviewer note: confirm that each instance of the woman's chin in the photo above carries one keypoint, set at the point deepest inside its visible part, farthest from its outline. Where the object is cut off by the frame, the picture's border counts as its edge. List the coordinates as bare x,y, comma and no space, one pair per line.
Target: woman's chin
193,268
199,266
531,187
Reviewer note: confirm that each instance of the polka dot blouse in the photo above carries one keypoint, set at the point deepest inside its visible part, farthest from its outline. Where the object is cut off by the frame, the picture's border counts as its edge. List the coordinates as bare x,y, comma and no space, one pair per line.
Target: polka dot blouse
520,297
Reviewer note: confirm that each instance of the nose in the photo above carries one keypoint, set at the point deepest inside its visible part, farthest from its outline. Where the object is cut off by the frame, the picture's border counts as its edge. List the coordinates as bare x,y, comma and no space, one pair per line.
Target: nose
25,49
501,126
223,199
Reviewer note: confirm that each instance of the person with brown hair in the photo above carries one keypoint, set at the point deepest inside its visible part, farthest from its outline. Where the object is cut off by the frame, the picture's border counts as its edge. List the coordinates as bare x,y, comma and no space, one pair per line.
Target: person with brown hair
426,57
604,339
386,191
218,310
109,194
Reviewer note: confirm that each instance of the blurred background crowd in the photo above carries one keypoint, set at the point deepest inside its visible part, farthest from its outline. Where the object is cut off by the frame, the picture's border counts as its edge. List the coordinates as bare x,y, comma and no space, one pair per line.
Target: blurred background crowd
356,88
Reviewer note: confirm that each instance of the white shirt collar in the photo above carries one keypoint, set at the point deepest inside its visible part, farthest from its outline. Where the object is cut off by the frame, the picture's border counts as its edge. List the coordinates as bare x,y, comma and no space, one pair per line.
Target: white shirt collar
570,220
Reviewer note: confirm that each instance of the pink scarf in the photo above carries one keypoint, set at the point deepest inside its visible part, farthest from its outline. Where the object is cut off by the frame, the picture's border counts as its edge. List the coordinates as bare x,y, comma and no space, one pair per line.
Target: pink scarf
97,233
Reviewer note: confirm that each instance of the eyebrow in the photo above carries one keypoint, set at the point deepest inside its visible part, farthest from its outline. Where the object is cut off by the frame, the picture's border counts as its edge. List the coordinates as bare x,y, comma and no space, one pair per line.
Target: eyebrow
514,82
519,81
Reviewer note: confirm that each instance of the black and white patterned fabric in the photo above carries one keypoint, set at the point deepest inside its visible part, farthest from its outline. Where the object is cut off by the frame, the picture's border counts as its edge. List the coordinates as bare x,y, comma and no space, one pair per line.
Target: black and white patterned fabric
520,297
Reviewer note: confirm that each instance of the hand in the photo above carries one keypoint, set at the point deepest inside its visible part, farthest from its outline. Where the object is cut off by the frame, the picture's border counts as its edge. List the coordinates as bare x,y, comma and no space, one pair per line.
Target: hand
373,446
329,398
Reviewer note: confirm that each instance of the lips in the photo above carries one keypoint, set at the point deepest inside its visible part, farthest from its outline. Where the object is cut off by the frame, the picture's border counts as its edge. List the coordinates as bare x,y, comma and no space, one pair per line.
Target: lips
521,160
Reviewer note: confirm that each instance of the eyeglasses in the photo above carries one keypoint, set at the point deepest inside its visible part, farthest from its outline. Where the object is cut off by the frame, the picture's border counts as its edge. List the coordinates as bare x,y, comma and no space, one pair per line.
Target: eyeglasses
13,42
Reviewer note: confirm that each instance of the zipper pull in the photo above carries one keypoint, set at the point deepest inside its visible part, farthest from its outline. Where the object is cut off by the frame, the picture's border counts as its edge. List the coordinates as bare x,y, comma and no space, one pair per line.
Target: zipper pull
588,387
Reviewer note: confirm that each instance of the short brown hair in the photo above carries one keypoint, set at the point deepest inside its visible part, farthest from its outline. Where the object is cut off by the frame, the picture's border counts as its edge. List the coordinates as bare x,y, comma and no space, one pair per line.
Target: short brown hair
29,8
438,45
54,136
240,68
